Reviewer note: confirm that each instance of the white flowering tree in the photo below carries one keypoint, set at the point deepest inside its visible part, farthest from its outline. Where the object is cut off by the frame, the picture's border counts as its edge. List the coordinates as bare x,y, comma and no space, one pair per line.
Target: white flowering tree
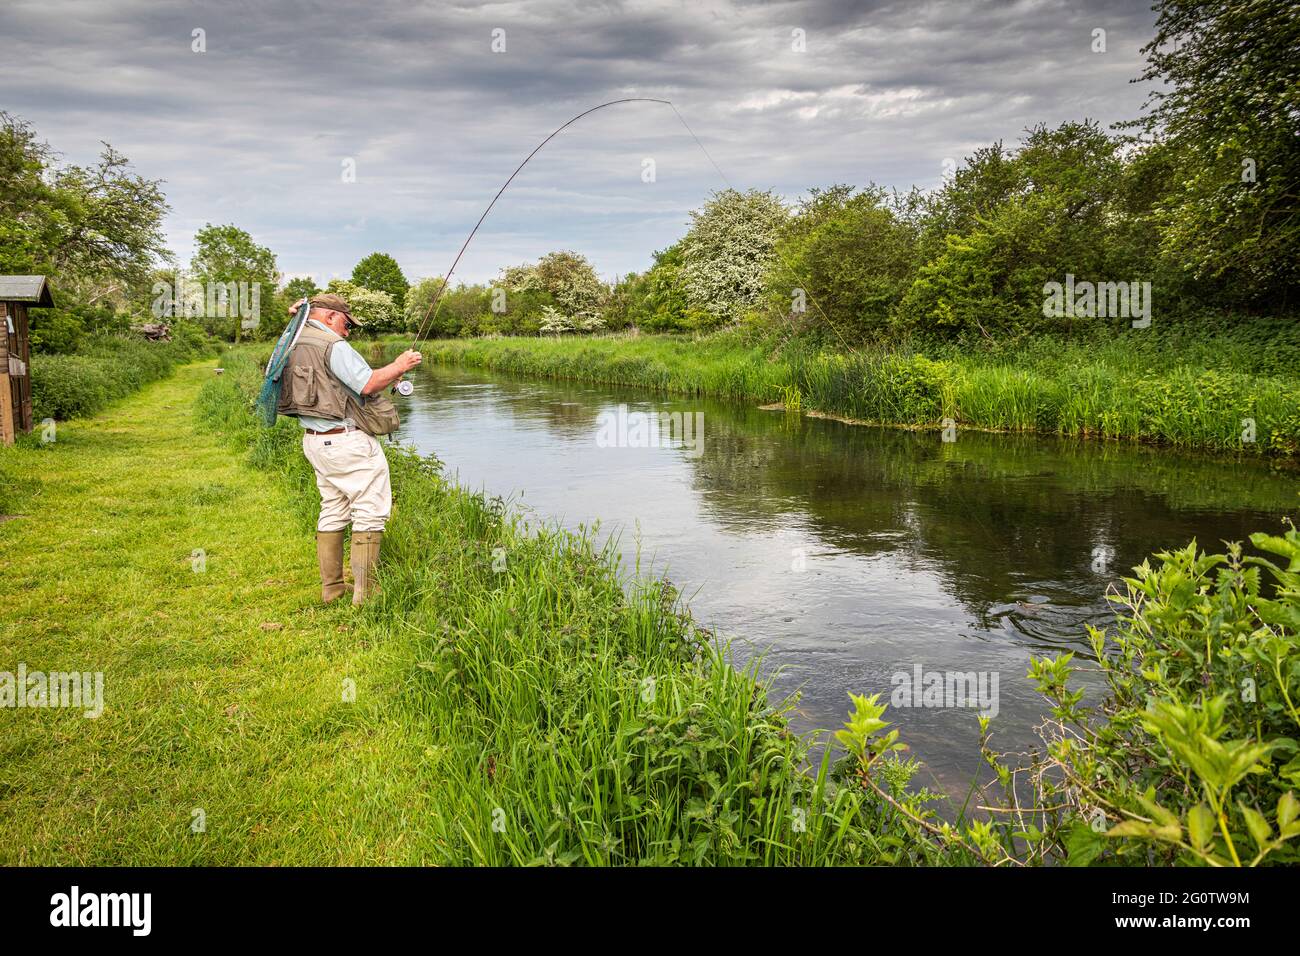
376,309
728,251
572,283
554,322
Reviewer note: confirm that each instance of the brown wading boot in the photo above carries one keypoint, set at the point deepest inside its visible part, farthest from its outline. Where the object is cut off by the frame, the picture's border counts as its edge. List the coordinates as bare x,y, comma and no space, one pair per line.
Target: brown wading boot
329,552
365,557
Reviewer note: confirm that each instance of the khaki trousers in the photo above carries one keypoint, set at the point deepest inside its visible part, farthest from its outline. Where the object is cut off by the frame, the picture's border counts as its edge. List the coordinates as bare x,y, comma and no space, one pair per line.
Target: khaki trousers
352,475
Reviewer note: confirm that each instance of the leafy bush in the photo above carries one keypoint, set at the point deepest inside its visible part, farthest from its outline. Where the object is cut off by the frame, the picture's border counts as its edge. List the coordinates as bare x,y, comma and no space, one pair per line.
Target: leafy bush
1193,758
61,330
845,261
560,284
663,305
1008,222
376,309
572,283
106,368
70,386
460,311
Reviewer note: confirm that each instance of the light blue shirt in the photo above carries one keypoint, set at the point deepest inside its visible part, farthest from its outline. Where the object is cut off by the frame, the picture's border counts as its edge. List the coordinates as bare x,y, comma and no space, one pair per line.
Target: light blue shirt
349,368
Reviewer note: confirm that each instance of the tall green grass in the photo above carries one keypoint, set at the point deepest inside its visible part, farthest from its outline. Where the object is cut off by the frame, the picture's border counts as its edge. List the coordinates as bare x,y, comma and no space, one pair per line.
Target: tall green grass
1191,394
581,715
105,368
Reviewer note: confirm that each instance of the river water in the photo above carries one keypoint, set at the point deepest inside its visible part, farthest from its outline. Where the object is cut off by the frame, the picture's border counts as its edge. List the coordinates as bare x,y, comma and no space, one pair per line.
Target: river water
849,556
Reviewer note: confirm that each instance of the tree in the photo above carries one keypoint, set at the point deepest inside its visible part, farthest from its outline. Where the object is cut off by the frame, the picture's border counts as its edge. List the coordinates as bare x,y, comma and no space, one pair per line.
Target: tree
28,231
662,305
564,282
227,254
97,230
572,283
845,261
380,272
1228,117
416,309
111,236
625,302
376,309
459,311
729,251
554,322
302,287
1010,222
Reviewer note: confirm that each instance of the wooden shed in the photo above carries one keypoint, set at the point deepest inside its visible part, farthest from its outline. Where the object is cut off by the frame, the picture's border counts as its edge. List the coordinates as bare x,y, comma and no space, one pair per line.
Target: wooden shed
17,294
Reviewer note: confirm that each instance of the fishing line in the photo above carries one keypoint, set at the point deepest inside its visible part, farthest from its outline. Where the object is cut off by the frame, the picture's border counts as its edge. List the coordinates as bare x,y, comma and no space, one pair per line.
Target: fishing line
775,248
437,298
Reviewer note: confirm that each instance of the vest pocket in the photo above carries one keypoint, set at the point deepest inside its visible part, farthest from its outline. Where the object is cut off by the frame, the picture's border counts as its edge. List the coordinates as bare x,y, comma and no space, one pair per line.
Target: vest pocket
302,385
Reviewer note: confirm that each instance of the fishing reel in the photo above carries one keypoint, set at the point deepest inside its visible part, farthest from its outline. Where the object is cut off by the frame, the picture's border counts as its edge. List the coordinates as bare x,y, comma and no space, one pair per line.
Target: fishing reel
404,388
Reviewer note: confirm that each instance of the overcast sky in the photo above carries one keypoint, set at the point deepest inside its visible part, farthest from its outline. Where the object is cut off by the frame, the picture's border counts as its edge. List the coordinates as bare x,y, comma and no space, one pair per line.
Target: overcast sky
256,129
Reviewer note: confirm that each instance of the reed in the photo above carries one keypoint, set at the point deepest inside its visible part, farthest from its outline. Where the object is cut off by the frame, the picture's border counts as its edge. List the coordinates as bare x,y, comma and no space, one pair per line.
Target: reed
1190,394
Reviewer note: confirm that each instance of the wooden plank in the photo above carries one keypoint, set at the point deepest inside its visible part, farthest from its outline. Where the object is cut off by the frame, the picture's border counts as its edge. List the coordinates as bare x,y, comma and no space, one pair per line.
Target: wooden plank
7,430
24,397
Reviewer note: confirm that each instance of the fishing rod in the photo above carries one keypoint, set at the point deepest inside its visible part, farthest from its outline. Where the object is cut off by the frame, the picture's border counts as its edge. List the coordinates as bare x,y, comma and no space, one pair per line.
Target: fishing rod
447,278
405,388
290,336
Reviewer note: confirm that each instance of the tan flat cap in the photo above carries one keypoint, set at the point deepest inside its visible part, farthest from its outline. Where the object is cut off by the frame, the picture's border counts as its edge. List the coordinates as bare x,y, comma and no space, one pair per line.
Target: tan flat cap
335,303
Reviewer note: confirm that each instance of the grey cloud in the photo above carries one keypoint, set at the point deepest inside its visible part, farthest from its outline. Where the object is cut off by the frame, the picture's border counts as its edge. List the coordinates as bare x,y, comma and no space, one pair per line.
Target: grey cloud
254,131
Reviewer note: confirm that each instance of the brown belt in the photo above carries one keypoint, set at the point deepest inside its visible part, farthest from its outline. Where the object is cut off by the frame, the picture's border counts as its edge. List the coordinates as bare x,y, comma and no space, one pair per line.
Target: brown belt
332,431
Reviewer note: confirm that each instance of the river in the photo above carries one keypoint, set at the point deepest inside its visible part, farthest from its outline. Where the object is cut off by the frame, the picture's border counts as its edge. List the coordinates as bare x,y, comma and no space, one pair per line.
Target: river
849,556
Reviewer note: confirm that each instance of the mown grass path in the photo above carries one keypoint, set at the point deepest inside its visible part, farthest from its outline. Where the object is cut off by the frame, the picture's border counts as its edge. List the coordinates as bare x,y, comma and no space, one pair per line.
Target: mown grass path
224,685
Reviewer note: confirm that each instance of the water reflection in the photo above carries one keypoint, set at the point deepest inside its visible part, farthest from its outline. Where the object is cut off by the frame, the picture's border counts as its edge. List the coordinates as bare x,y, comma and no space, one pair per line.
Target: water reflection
848,554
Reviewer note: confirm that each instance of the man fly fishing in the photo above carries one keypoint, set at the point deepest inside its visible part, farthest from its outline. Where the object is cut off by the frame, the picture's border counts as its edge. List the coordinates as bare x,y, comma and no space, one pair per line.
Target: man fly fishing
338,399
314,375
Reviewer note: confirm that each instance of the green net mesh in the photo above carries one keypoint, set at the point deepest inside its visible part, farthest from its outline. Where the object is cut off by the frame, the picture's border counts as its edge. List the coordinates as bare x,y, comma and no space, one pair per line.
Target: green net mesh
268,399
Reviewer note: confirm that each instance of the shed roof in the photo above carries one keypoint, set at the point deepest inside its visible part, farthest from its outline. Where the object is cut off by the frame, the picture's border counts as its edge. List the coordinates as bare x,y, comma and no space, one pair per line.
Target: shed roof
34,290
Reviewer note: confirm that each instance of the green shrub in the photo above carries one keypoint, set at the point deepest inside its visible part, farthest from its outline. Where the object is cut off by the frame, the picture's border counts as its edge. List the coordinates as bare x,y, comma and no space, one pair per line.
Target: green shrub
851,259
105,368
69,386
1194,756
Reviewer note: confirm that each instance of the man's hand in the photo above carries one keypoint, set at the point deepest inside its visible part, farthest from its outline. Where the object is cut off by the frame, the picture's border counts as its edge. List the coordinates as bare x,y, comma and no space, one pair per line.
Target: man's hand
293,309
390,373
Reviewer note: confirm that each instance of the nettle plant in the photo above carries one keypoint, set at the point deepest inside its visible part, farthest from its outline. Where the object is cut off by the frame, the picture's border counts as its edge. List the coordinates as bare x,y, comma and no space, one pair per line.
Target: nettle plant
1192,758
1199,758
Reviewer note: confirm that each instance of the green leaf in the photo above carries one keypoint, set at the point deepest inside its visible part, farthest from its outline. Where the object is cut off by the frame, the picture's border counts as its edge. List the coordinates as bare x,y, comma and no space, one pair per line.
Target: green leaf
1200,825
1083,844
1131,828
1259,829
1162,816
1288,808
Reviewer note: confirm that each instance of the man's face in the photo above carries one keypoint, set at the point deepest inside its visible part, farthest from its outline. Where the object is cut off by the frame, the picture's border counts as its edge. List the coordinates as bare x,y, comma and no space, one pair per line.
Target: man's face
336,321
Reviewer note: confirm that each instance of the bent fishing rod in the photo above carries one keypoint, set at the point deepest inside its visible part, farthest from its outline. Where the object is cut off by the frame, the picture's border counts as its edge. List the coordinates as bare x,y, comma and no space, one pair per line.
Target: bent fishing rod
433,305
537,149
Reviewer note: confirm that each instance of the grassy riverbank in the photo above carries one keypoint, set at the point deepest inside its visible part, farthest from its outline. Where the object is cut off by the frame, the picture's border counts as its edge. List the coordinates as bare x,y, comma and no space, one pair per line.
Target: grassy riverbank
1224,395
509,698
504,701
142,548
